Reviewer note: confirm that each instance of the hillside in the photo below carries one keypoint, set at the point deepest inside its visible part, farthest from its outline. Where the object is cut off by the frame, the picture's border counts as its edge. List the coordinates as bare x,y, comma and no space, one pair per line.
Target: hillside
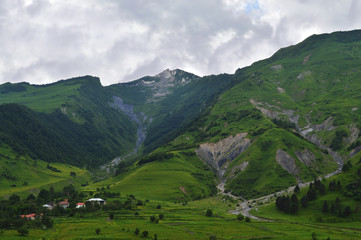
191,152
168,102
69,121
278,122
287,119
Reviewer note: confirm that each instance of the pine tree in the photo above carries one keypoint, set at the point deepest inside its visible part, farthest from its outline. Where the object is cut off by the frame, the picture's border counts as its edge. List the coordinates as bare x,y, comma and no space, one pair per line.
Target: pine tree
325,207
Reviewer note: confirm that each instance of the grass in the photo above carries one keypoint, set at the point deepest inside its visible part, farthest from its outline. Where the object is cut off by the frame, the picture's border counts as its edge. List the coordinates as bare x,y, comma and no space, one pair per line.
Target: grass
183,222
42,98
29,176
173,179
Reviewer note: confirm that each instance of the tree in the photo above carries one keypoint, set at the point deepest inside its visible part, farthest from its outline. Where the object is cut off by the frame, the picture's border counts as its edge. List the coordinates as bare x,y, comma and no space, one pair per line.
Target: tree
240,217
161,216
304,201
152,218
313,235
97,231
145,233
322,189
30,197
311,194
23,231
297,189
111,216
209,213
347,212
14,199
325,207
136,232
47,221
248,219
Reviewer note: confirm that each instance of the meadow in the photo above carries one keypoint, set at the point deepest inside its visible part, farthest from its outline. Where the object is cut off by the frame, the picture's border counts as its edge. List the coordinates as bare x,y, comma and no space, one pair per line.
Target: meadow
183,222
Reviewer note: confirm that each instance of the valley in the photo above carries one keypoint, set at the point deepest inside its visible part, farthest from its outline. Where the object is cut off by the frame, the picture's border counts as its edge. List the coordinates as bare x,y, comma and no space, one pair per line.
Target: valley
211,154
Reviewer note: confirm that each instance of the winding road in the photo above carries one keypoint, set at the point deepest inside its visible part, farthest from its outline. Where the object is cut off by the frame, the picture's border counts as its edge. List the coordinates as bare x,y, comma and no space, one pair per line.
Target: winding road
245,206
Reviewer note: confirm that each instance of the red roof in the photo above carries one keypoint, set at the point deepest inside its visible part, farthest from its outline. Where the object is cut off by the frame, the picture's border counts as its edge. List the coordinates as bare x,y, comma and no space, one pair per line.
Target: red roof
65,202
31,215
80,203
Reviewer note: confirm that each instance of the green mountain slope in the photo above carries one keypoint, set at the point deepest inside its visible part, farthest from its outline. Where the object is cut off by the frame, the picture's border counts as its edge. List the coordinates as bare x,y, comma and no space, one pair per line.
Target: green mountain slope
69,121
169,101
22,175
283,120
287,119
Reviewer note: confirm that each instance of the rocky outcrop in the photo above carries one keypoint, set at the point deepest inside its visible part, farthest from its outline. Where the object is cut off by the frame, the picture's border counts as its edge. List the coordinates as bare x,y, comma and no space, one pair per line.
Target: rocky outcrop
218,156
354,133
286,162
277,67
137,118
307,157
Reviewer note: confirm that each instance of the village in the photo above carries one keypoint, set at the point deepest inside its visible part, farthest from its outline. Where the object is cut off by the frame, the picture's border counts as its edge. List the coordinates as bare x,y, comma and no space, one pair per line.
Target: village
64,204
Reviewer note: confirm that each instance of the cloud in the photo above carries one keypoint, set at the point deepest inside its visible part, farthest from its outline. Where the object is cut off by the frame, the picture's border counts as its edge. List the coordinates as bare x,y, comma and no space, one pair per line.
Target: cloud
43,41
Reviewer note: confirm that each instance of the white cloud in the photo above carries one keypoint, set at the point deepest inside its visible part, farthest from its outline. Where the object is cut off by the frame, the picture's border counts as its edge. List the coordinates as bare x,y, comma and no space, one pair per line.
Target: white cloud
118,40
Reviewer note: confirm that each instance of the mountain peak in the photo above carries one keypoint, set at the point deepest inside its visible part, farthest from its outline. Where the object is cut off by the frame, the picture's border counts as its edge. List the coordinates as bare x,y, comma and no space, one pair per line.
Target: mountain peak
166,73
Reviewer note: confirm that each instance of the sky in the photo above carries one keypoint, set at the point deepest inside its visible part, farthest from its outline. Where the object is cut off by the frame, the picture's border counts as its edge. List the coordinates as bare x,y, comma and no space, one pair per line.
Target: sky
43,41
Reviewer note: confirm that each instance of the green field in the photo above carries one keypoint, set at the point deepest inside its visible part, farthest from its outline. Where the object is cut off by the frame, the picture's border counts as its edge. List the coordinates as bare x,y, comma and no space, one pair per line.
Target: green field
22,175
177,179
43,98
183,222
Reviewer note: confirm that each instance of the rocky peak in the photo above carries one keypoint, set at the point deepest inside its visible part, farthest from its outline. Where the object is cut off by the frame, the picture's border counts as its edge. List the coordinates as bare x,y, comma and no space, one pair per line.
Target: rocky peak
167,74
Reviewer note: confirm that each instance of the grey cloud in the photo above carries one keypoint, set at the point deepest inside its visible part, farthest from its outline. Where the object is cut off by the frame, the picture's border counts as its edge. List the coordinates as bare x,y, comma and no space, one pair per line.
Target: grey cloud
120,40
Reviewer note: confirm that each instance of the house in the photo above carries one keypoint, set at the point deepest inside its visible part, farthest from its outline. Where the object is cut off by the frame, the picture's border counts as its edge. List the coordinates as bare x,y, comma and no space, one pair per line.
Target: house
80,205
64,204
48,206
31,216
97,200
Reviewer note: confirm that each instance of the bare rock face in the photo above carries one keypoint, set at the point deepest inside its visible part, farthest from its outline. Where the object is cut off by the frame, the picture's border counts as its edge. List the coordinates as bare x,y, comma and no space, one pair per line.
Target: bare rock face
306,157
354,133
355,151
277,67
219,155
286,162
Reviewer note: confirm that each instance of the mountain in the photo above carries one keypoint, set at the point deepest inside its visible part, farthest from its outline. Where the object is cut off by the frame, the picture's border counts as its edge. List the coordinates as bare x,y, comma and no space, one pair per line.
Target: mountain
287,119
68,121
281,121
167,102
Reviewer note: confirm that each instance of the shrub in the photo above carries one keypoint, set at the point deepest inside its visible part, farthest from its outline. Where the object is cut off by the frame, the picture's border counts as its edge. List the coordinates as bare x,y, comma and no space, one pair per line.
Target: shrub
145,233
97,231
209,213
240,217
23,231
137,231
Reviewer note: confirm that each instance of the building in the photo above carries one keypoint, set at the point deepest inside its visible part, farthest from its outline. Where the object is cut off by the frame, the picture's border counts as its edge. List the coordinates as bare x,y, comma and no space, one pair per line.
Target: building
64,204
50,207
80,205
97,200
31,216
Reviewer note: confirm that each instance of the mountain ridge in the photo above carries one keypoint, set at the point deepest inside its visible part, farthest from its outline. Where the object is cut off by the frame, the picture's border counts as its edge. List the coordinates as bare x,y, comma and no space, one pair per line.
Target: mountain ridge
297,108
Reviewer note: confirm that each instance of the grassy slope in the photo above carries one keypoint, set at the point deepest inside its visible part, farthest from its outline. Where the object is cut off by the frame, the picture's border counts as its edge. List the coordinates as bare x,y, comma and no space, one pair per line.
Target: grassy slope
179,178
313,212
71,117
35,174
43,98
329,86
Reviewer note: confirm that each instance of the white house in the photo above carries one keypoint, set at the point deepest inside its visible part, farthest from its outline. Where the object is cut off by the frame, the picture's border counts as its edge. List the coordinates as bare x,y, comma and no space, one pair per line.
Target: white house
97,200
